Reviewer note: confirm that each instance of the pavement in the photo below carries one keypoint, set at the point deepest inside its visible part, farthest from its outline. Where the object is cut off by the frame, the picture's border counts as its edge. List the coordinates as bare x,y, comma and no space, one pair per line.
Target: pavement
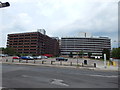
113,68
71,63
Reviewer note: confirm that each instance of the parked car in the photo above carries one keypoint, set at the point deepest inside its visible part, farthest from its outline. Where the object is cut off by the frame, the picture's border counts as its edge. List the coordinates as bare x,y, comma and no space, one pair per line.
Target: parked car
37,57
16,57
40,57
44,57
61,59
27,57
48,55
3,55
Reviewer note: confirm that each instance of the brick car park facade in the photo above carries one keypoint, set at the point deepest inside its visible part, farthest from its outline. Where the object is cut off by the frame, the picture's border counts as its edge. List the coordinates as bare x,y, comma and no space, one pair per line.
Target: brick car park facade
35,43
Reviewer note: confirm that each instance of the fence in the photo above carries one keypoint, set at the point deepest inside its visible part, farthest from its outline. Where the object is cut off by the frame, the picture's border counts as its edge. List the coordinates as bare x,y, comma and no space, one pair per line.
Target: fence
47,62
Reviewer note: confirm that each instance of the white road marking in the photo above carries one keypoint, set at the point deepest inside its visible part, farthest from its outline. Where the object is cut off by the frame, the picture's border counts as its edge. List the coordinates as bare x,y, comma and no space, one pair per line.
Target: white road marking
54,81
59,82
1,88
104,76
25,76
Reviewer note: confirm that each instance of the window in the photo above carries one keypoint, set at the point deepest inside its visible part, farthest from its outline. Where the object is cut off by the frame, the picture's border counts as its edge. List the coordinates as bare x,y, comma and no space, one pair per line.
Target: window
32,49
21,35
33,43
14,46
20,46
27,40
21,38
33,34
19,52
33,46
15,38
33,40
26,43
11,38
19,49
32,52
27,37
26,52
14,43
20,43
26,49
33,37
26,46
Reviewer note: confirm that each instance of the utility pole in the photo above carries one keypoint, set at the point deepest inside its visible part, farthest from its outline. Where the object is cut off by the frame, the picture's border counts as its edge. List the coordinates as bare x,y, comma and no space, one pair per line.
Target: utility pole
105,61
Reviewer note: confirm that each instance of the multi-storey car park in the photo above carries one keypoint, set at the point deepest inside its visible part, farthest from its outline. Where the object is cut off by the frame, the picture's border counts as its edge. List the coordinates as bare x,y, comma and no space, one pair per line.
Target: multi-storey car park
37,43
93,45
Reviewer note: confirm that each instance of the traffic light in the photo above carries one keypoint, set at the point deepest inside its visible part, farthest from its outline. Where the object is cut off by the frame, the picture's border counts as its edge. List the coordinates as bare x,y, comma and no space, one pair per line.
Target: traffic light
6,4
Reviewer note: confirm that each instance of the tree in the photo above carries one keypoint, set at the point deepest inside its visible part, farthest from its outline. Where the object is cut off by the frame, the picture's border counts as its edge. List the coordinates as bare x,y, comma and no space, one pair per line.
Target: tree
24,54
18,54
116,52
71,54
1,50
9,51
89,54
107,52
81,53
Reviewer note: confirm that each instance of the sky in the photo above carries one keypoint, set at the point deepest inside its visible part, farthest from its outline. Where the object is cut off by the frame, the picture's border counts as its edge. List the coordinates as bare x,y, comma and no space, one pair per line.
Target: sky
60,18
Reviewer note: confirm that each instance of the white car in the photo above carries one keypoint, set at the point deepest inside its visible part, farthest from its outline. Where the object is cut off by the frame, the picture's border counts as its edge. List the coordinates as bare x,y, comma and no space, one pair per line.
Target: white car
40,57
3,55
37,57
44,57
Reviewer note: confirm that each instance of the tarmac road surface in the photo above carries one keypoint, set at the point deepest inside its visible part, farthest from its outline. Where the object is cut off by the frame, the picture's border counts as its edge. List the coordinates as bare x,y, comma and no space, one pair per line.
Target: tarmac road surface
24,76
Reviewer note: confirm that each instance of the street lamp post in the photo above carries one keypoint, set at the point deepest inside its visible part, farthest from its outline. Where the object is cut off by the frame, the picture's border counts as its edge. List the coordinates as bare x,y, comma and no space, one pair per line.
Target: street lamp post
77,58
6,4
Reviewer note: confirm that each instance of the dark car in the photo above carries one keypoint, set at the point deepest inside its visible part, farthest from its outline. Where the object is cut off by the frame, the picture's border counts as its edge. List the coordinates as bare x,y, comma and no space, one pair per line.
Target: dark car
61,59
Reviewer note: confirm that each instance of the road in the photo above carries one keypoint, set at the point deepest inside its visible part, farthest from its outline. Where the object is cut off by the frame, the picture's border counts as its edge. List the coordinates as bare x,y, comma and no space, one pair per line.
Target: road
24,76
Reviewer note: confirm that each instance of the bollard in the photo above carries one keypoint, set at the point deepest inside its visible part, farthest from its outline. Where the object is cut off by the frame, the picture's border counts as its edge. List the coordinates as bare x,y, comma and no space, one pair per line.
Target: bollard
42,62
82,65
19,60
60,62
34,61
85,62
6,60
94,64
12,60
114,63
108,63
52,62
70,63
26,61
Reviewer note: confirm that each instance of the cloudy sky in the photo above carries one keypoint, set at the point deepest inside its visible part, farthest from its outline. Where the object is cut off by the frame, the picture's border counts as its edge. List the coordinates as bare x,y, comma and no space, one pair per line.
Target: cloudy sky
60,18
